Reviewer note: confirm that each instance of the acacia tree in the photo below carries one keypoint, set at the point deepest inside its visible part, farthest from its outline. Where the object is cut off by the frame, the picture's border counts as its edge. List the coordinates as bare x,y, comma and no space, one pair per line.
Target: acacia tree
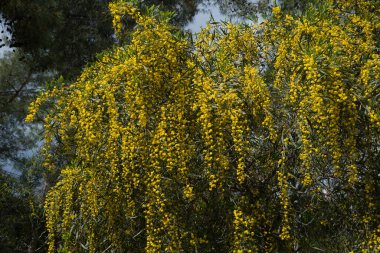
249,139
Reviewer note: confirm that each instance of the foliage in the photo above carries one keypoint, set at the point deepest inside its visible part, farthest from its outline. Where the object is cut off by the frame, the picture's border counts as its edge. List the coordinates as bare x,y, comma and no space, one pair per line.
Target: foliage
249,139
21,228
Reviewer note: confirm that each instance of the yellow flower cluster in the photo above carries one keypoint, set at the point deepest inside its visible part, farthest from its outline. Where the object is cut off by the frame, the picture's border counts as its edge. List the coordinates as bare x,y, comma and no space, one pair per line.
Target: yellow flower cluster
284,201
160,135
244,226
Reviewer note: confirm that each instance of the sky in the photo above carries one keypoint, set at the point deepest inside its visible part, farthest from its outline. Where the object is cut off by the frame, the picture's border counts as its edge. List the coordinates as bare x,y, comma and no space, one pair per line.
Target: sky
4,34
208,9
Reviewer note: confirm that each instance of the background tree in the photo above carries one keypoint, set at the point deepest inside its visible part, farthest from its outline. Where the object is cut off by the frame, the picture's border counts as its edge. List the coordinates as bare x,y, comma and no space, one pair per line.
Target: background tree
47,40
22,225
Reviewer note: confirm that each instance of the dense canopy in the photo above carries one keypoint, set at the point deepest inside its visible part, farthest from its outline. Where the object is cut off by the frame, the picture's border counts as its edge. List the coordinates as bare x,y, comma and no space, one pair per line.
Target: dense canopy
260,138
